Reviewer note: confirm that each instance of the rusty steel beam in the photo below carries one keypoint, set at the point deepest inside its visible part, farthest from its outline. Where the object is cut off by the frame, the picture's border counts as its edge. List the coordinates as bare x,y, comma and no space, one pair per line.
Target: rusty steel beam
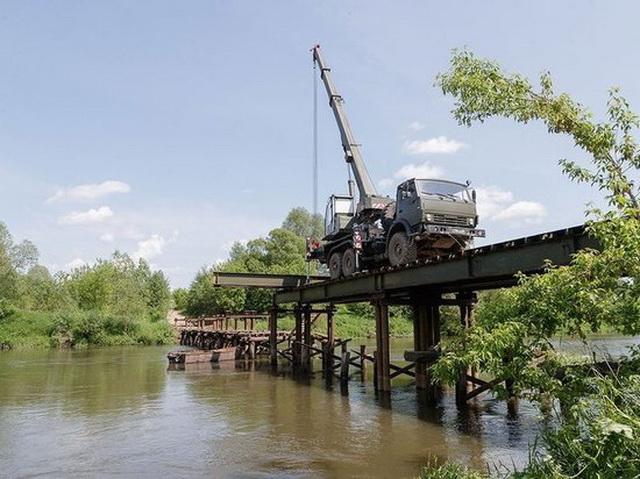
486,267
260,280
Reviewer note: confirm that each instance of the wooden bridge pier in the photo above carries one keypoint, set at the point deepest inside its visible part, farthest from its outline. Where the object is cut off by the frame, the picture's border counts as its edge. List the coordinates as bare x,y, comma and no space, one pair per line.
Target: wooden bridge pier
383,372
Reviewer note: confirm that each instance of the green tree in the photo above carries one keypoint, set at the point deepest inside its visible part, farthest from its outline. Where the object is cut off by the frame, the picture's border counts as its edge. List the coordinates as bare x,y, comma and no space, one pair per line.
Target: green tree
596,434
303,223
511,336
180,298
206,299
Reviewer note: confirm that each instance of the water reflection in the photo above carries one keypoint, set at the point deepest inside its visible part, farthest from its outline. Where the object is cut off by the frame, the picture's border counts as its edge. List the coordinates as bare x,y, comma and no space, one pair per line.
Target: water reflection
120,411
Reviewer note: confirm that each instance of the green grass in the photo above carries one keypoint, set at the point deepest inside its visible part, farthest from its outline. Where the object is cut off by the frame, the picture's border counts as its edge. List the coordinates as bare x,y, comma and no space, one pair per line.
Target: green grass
450,470
36,329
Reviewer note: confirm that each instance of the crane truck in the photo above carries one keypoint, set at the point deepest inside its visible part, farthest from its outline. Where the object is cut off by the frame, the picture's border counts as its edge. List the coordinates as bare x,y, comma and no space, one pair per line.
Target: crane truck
427,218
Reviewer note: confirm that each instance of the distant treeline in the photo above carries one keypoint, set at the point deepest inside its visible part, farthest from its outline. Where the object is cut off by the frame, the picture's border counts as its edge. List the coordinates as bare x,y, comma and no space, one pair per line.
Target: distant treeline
114,301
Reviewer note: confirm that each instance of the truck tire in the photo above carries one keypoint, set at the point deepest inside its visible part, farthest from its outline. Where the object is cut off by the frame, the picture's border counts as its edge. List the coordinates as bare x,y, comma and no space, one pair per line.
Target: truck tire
348,262
401,249
335,265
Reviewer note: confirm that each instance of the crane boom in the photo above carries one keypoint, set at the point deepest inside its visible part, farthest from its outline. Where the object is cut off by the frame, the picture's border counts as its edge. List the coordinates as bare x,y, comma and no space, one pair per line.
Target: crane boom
351,148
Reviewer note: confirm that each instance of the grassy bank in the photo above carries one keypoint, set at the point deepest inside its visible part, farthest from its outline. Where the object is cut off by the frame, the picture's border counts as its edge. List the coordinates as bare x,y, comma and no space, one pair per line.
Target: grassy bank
43,329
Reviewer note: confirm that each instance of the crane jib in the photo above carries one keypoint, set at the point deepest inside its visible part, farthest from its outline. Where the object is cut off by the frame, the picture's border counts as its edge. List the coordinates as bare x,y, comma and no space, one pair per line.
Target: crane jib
353,156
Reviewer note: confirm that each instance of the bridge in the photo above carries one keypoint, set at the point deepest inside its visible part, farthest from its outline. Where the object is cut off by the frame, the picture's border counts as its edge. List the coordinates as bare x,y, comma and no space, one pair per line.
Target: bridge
425,286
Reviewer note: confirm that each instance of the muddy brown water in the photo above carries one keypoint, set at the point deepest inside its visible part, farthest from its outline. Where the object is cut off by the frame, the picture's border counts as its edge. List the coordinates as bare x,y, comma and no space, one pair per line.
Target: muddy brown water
121,412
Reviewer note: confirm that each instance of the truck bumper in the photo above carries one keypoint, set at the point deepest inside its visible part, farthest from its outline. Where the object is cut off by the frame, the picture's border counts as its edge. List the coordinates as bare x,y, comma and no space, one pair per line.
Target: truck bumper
453,231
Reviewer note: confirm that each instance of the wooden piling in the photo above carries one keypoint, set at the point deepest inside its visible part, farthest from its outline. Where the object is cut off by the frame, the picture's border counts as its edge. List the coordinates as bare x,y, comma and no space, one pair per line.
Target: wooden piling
344,367
297,341
382,343
273,336
307,339
375,370
466,301
363,370
426,335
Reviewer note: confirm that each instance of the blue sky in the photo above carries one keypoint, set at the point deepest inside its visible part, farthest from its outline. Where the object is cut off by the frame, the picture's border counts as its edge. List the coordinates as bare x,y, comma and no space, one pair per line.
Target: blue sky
170,129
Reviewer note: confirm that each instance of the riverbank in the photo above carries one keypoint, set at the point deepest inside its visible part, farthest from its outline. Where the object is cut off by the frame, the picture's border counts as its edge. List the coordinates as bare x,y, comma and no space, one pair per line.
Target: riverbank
22,329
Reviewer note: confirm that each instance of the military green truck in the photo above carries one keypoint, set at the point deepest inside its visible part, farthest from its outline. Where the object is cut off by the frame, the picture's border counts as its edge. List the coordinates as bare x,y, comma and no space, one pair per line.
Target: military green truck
427,218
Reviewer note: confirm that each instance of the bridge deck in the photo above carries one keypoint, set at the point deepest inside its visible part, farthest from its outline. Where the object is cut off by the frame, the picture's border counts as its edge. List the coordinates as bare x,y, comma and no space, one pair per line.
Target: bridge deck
486,267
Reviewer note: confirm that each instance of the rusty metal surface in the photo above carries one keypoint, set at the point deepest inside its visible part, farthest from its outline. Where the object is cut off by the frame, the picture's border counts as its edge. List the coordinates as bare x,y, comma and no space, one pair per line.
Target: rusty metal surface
259,280
486,267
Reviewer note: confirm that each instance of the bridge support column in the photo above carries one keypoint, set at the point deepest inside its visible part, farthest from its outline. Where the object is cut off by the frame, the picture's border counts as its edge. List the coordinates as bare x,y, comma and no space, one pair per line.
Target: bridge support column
466,301
382,344
273,335
306,352
328,347
297,340
426,335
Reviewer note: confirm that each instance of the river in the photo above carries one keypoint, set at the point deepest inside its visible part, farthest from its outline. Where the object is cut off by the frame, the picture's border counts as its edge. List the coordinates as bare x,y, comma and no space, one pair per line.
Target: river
121,412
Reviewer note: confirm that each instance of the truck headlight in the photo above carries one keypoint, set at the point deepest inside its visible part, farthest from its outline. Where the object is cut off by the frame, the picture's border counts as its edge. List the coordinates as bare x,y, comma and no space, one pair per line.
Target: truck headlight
429,217
471,221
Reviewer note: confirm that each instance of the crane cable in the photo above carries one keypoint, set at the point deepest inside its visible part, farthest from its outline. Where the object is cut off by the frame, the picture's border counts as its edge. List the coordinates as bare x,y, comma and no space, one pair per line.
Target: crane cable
315,141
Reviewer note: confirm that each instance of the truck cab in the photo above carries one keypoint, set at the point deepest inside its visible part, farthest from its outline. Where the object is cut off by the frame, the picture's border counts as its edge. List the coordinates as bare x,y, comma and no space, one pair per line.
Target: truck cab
437,215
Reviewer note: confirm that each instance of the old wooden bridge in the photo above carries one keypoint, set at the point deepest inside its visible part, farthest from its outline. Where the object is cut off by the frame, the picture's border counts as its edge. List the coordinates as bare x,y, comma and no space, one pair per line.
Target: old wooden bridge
425,286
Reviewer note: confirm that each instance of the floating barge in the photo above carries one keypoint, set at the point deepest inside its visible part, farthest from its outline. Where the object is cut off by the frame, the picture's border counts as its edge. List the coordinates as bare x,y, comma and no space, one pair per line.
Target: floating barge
200,356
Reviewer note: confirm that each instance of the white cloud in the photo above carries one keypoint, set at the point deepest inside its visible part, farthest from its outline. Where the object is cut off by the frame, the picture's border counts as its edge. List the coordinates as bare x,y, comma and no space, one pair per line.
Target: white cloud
498,205
491,200
74,264
529,212
91,216
153,246
90,191
432,146
424,170
416,126
412,170
107,237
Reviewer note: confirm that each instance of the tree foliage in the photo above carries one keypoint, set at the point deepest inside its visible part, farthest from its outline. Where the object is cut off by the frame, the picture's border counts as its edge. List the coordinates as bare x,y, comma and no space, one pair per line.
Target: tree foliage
304,224
282,251
483,90
113,301
599,288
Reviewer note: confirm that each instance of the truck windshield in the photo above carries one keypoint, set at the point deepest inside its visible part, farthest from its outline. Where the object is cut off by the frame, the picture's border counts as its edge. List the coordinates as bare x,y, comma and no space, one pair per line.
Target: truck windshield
443,188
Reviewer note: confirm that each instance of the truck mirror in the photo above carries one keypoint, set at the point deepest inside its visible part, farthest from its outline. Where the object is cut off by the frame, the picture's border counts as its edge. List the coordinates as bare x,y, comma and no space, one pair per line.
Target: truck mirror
473,195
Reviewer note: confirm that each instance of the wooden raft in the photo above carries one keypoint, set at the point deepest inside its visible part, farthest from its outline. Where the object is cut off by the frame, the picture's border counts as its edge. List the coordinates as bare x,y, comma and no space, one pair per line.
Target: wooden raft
200,356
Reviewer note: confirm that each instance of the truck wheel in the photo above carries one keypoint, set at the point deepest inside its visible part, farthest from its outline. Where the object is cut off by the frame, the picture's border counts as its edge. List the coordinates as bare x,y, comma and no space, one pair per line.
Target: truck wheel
335,265
402,249
348,262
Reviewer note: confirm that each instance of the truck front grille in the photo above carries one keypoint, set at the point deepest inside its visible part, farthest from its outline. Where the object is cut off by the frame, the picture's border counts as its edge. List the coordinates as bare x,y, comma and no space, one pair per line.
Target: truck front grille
450,220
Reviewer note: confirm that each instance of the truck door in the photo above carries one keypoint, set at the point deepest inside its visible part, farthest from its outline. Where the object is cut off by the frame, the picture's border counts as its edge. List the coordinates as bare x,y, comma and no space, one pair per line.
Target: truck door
409,203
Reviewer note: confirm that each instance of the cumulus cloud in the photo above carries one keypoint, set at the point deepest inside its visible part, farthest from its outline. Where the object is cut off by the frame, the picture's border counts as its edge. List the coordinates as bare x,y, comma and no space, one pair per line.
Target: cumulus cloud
149,248
91,216
423,170
89,191
498,205
153,246
491,200
412,170
530,212
432,146
74,264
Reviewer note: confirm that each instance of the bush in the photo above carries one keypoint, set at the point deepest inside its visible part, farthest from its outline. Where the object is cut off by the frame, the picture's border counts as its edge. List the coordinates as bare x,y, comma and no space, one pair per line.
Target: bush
6,309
